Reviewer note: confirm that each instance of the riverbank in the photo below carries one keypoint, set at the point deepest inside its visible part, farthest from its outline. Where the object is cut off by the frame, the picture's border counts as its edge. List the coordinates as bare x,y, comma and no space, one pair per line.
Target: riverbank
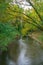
38,36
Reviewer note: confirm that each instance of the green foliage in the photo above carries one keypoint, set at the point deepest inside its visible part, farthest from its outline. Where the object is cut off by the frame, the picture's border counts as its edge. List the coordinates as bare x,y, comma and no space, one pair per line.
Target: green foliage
7,34
9,24
40,37
5,1
13,20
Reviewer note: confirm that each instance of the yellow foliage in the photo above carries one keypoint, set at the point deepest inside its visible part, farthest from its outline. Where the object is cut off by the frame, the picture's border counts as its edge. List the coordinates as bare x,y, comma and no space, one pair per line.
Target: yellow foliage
26,28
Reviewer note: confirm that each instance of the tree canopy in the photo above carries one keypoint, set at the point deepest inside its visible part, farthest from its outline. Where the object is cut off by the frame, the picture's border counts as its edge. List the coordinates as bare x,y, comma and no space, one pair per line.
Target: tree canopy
14,20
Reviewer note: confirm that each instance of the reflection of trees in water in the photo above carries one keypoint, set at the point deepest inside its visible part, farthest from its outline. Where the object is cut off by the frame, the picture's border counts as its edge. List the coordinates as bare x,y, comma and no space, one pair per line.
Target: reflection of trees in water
3,58
13,50
23,53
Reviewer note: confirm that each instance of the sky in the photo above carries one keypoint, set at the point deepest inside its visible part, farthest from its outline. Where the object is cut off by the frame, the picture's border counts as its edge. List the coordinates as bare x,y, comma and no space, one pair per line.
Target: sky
23,4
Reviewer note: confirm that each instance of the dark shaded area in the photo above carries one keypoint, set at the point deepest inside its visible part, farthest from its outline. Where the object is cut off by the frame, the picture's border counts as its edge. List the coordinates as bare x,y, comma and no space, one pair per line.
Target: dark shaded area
3,57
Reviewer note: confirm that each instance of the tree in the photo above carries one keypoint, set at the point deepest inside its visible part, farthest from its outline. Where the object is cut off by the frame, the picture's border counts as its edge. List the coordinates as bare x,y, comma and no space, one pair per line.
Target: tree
15,21
8,30
36,4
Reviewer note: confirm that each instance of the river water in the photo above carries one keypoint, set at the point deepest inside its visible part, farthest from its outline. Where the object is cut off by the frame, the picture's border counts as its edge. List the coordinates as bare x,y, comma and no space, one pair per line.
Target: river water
24,52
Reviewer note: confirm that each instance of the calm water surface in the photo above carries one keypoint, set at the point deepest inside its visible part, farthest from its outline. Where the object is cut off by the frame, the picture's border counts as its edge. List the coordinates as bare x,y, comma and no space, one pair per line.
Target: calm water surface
23,52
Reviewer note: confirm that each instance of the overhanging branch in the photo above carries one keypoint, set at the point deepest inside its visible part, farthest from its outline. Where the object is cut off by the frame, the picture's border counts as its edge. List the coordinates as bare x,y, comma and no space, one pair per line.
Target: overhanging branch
36,10
35,23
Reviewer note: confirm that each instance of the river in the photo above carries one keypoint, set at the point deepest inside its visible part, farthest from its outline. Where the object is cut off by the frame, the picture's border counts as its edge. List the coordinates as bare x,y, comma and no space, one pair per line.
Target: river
23,52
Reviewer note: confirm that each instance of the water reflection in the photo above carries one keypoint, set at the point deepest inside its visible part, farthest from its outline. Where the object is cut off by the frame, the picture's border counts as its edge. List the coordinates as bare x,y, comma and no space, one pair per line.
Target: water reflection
22,59
24,53
3,58
9,61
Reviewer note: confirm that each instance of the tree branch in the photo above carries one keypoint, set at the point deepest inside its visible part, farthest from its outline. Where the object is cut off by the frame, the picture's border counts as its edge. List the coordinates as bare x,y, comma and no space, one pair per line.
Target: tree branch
36,11
35,23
